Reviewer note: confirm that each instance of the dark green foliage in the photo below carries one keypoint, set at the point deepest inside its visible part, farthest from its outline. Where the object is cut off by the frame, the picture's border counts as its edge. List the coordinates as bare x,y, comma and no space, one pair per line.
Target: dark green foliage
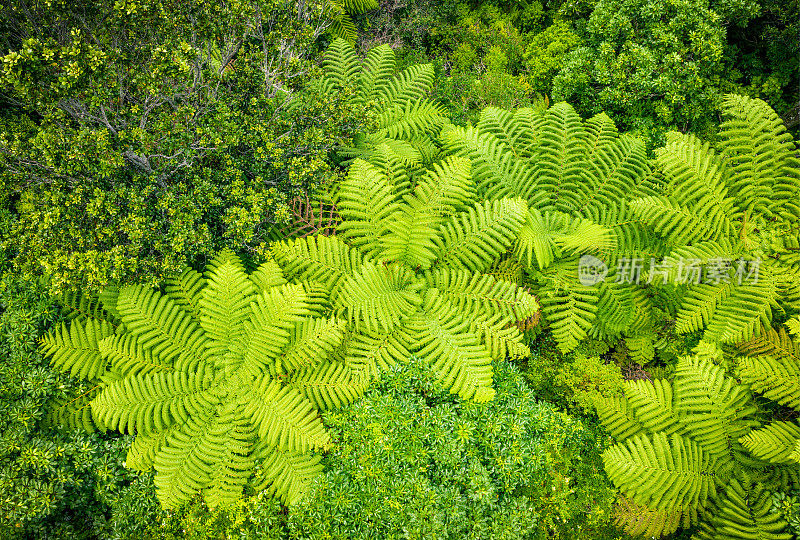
53,484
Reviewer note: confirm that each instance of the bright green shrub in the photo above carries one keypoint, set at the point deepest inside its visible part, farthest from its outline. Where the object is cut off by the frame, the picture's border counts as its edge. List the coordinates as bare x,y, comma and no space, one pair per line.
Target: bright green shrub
415,462
545,52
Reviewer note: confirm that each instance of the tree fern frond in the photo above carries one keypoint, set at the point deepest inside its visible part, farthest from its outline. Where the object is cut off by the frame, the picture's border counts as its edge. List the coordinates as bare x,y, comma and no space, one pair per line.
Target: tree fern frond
448,187
378,297
267,275
366,201
312,341
744,511
126,356
284,418
370,353
776,442
762,157
712,405
410,85
288,474
340,63
512,128
475,238
740,315
153,402
225,305
234,462
654,406
639,520
75,348
184,289
500,337
161,326
409,119
320,259
570,311
81,307
460,361
481,293
661,472
377,68
618,417
330,385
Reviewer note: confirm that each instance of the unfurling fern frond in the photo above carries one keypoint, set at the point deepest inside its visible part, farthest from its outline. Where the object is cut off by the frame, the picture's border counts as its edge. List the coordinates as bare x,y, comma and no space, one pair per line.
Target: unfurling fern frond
221,374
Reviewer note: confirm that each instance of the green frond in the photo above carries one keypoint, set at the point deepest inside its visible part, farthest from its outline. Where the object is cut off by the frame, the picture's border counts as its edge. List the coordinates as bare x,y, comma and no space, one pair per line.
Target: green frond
343,27
776,442
475,238
366,201
234,462
409,119
440,334
515,129
696,181
495,169
662,472
410,85
744,311
499,335
762,158
641,347
126,356
447,188
557,161
225,305
612,170
744,512
312,342
370,353
288,474
78,306
794,325
616,309
359,6
276,313
480,293
161,326
267,276
185,289
74,348
777,377
639,520
318,259
142,452
712,405
410,233
376,70
73,412
618,417
569,308
653,403
378,297
330,386
679,224
284,418
153,402
185,463
699,305
341,63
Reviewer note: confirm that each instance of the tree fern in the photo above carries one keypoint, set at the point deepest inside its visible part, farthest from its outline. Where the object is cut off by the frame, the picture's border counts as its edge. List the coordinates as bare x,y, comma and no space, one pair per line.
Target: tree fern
679,460
218,378
411,276
406,119
575,176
